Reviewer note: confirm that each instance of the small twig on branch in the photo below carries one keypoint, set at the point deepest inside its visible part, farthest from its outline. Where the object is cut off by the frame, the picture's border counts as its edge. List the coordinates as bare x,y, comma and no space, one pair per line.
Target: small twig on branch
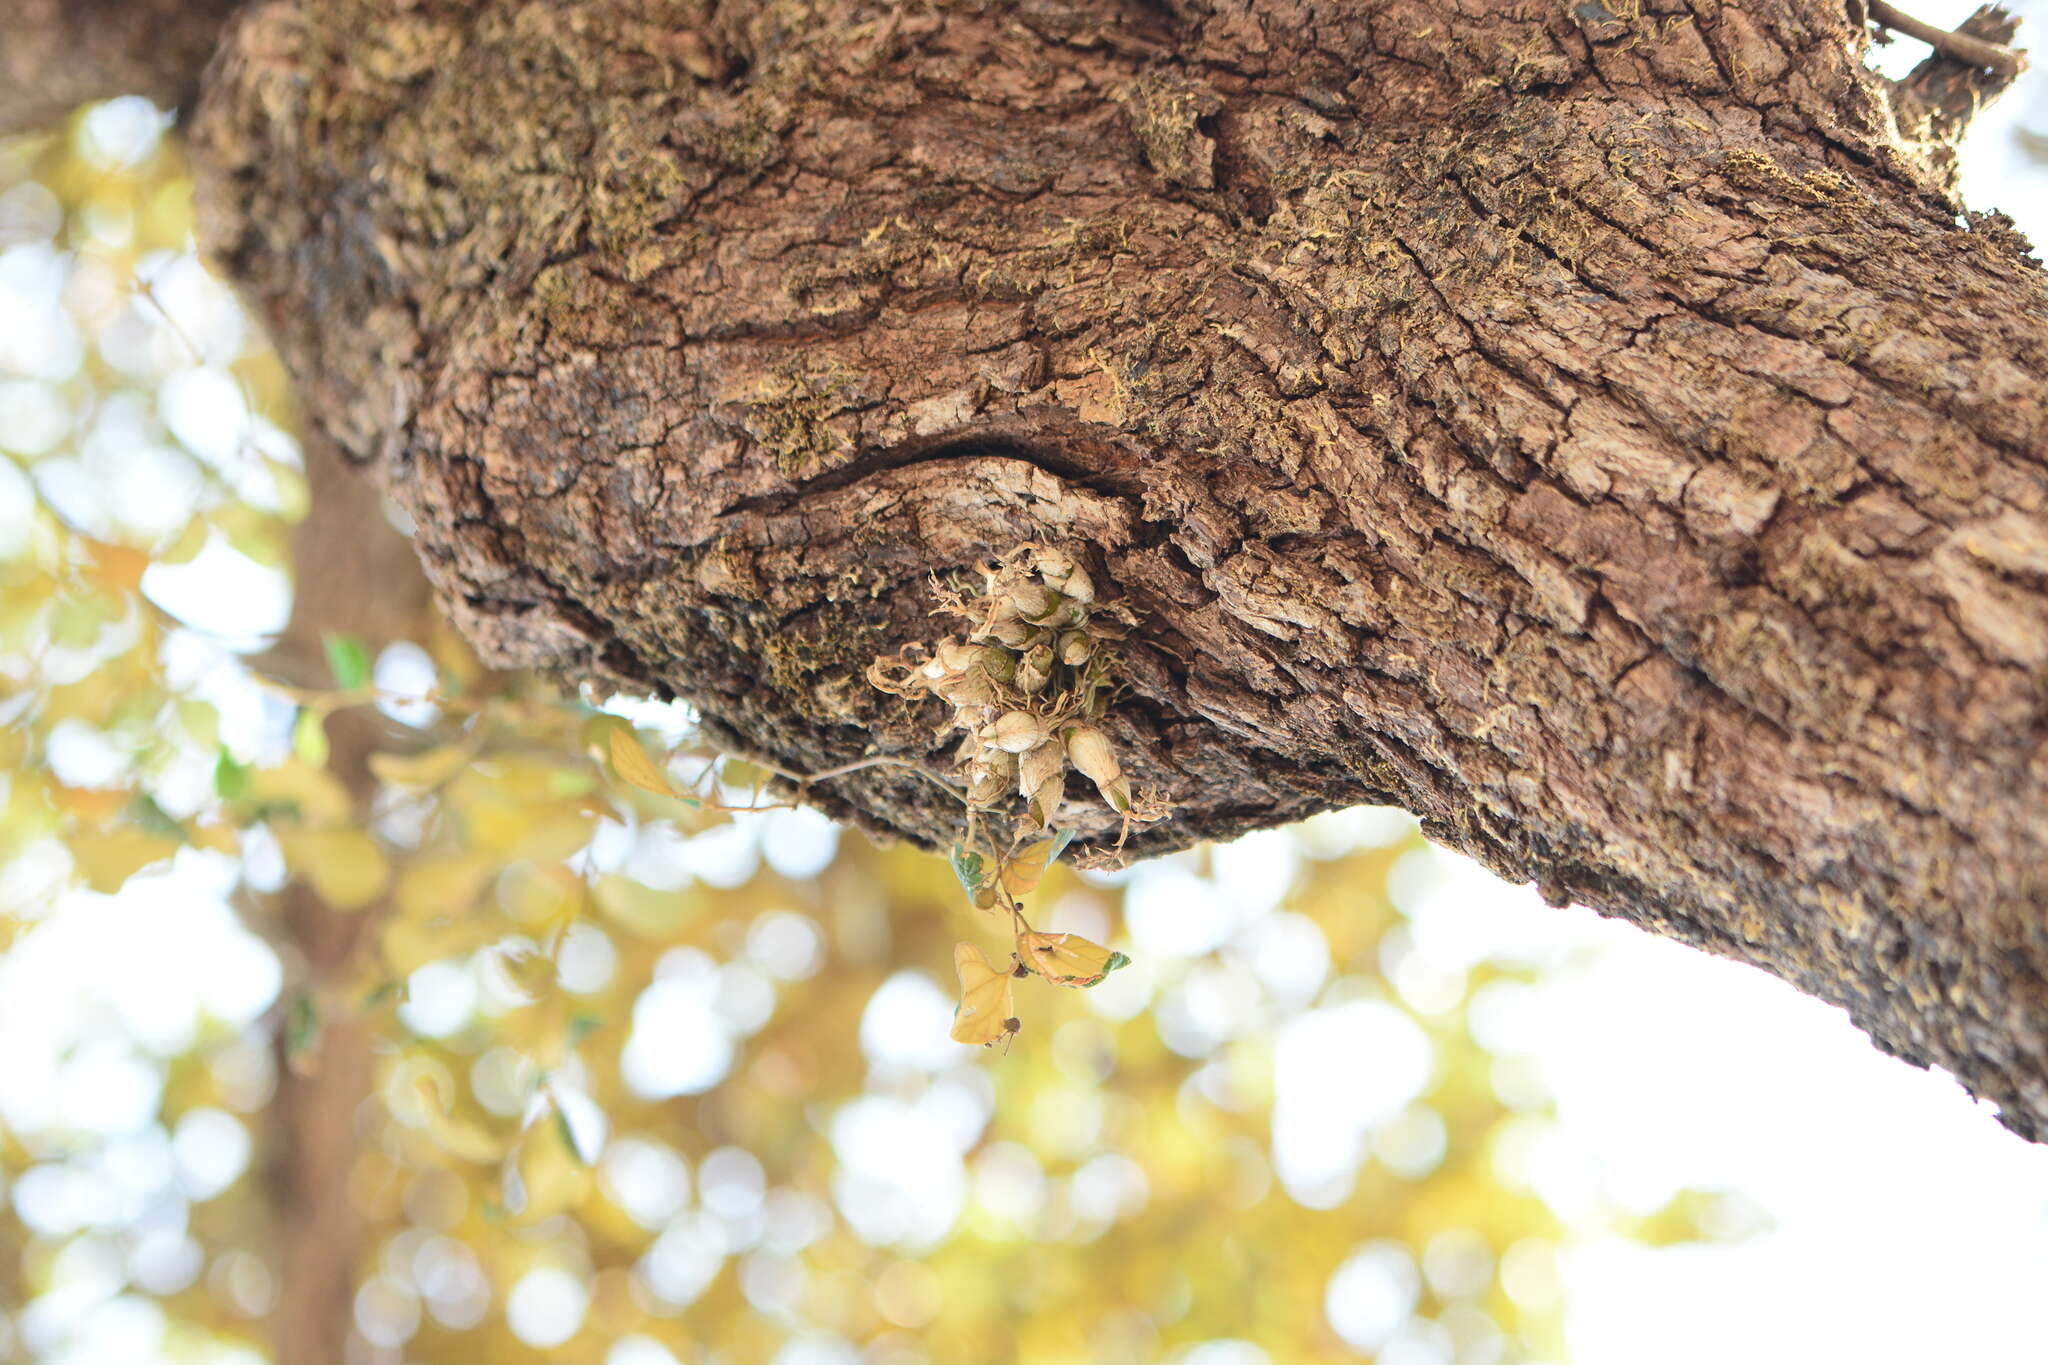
2008,62
805,782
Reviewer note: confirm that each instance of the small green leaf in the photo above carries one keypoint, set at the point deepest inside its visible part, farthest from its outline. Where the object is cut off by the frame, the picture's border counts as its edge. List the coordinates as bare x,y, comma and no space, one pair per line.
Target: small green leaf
967,867
1060,839
1116,960
230,779
301,1031
349,659
146,815
568,1135
309,738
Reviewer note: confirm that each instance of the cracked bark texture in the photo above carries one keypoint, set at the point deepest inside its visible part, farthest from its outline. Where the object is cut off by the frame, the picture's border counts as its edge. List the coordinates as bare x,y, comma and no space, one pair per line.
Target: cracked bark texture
1592,427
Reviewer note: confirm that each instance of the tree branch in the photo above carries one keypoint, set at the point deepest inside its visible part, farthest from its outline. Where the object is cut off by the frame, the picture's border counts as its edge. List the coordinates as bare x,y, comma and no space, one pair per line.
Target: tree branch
2007,62
1534,415
358,575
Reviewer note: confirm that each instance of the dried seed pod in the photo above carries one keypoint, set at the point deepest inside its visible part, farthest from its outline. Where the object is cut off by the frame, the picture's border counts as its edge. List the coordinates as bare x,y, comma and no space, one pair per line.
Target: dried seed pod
1034,768
1033,600
953,656
1066,616
1073,648
986,786
1092,754
1089,748
1034,670
1044,803
1000,664
1075,584
971,688
1015,732
1051,562
1062,573
1013,632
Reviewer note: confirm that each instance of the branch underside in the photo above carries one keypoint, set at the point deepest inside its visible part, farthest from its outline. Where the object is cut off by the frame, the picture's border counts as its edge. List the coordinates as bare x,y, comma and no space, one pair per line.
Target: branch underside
1591,431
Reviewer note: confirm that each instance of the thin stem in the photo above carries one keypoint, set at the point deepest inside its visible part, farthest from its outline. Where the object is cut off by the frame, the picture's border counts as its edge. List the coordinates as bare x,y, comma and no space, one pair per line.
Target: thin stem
2006,61
804,781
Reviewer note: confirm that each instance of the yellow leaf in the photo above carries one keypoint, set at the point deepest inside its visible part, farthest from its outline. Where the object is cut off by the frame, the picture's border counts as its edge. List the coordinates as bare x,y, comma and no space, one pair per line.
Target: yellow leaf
463,1139
1022,873
562,835
410,944
460,671
93,805
309,737
217,837
552,1178
314,793
186,544
987,1008
532,971
1067,959
107,858
538,895
344,867
116,567
646,912
630,761
422,771
446,885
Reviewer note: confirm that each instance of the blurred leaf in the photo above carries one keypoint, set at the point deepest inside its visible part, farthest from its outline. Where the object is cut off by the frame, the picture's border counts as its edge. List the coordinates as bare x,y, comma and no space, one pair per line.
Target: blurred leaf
422,771
118,568
145,814
348,658
649,913
567,1133
447,885
463,1139
553,1178
92,805
309,737
186,544
301,1033
308,794
613,738
345,867
230,778
107,858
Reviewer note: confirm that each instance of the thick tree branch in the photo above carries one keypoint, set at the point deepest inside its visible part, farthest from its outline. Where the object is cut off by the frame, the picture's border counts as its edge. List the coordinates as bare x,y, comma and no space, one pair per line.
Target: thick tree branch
1588,427
58,54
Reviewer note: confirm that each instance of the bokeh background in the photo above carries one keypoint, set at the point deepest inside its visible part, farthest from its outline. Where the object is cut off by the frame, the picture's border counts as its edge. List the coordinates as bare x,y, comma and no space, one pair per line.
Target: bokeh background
651,1082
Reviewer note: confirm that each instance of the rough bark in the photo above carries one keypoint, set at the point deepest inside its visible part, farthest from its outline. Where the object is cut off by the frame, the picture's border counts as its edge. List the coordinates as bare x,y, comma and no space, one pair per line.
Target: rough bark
1591,427
58,54
358,576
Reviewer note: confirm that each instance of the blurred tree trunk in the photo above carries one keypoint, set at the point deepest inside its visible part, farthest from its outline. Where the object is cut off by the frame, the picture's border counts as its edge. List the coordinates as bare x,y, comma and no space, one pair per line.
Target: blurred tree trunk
1590,426
355,575
57,54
